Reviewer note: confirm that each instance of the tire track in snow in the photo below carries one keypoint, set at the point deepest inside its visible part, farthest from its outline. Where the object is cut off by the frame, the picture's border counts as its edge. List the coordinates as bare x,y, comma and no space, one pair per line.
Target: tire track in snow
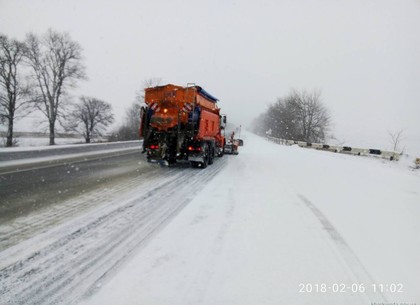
28,194
39,221
77,255
198,286
26,226
354,263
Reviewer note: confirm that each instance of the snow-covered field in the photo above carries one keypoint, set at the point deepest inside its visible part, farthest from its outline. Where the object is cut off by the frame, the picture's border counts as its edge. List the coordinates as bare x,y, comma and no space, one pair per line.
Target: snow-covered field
284,225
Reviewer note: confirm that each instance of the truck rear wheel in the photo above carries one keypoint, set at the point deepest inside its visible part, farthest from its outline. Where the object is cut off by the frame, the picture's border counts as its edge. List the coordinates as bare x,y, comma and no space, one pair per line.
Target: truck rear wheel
211,155
205,162
206,156
196,164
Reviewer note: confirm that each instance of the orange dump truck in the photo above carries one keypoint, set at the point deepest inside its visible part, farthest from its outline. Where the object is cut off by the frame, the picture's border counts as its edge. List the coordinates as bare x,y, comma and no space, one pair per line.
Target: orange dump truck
181,124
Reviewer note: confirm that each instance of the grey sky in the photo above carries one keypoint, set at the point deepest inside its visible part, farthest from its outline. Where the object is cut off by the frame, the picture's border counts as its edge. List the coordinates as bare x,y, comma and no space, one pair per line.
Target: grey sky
363,55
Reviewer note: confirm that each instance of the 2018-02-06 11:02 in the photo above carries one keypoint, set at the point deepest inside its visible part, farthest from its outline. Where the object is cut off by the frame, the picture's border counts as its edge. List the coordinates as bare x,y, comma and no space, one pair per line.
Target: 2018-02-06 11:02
354,288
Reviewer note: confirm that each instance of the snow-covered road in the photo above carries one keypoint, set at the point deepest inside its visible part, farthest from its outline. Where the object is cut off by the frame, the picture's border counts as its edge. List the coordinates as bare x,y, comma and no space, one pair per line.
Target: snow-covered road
278,222
62,263
273,225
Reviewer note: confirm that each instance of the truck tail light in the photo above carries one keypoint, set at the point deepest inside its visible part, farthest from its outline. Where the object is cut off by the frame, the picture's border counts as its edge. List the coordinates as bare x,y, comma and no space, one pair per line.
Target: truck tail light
154,146
192,148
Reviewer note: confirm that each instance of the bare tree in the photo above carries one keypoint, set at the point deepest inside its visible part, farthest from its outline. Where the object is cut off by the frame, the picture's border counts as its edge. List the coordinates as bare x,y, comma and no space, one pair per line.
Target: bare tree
130,129
282,118
91,117
396,137
56,62
312,115
2,111
12,89
298,116
132,116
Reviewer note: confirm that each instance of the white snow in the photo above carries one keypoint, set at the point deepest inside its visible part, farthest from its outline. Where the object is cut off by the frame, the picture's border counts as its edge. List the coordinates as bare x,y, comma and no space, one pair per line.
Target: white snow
59,145
275,218
86,155
41,141
103,148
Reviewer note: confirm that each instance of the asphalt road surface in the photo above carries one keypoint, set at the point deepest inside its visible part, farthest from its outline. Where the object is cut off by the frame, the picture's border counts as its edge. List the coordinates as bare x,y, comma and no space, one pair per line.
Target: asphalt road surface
24,191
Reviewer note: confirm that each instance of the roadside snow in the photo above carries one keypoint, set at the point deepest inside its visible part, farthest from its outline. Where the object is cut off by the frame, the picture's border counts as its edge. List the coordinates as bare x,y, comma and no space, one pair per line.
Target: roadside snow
31,142
64,144
275,218
47,154
51,158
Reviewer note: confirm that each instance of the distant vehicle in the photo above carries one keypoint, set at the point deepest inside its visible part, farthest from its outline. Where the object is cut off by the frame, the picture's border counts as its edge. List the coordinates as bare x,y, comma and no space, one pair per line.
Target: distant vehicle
182,124
232,144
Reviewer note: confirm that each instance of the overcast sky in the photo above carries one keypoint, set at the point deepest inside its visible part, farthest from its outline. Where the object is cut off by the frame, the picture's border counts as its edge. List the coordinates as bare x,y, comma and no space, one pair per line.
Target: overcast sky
364,55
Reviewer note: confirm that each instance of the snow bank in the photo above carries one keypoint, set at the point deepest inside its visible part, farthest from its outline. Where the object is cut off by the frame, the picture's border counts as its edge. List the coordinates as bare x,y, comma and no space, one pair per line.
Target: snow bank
31,142
60,146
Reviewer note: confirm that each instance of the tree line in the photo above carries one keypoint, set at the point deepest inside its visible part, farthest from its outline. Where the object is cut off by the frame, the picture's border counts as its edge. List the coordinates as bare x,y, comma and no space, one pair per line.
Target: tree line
299,116
38,74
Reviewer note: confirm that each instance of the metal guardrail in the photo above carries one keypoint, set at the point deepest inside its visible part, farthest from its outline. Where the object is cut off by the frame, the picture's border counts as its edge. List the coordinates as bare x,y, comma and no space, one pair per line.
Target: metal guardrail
390,155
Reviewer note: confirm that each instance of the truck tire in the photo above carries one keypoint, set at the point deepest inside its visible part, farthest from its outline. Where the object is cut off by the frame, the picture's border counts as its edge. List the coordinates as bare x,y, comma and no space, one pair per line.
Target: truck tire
211,155
221,152
206,156
205,162
196,164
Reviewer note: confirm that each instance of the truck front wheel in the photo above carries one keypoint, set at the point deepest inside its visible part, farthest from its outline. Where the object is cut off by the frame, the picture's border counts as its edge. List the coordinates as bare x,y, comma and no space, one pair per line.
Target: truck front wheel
220,151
